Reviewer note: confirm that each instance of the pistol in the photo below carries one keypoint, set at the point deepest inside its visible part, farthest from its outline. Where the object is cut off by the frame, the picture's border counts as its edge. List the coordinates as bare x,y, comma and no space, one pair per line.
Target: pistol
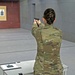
36,21
36,18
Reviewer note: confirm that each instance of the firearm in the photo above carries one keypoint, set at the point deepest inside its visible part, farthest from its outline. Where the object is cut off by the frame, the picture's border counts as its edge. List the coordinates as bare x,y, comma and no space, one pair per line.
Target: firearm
36,18
36,21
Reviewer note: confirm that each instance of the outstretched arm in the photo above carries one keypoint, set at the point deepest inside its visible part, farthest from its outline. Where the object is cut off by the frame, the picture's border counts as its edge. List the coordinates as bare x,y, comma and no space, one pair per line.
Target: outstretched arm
35,27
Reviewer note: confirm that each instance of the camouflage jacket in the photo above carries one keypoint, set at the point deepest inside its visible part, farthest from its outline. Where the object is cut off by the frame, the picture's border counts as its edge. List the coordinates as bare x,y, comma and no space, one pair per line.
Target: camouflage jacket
48,40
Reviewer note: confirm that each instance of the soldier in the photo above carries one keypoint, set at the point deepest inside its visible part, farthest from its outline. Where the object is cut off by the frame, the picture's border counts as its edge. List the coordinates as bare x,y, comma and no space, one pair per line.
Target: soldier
48,40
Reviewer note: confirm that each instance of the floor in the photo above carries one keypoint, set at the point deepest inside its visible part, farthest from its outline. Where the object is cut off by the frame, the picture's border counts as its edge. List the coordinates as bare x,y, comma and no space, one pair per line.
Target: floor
16,45
19,45
68,56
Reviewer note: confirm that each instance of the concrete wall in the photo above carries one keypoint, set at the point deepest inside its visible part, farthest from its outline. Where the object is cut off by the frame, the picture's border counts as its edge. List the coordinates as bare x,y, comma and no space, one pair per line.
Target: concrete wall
65,14
27,11
67,8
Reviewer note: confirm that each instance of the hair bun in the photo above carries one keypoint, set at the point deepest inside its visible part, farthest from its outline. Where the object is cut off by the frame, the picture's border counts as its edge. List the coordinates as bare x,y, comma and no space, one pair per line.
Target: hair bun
49,15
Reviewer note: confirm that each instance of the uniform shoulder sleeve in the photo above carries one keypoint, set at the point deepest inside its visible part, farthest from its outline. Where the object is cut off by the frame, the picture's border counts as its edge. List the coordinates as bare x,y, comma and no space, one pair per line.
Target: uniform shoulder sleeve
36,29
59,32
36,32
41,25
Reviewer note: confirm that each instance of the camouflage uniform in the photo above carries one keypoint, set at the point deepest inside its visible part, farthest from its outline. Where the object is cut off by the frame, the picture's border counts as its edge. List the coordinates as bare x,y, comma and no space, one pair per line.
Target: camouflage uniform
48,50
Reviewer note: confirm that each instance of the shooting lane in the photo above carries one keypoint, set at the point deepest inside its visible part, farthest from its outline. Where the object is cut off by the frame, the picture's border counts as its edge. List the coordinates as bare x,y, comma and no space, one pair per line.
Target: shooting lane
18,46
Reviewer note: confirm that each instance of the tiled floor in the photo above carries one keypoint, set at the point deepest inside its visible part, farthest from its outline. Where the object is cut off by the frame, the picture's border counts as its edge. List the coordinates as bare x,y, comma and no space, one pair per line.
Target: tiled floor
19,45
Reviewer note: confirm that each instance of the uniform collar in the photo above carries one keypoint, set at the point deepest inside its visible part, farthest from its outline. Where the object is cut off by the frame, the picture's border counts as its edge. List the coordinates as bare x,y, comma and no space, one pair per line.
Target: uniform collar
47,25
